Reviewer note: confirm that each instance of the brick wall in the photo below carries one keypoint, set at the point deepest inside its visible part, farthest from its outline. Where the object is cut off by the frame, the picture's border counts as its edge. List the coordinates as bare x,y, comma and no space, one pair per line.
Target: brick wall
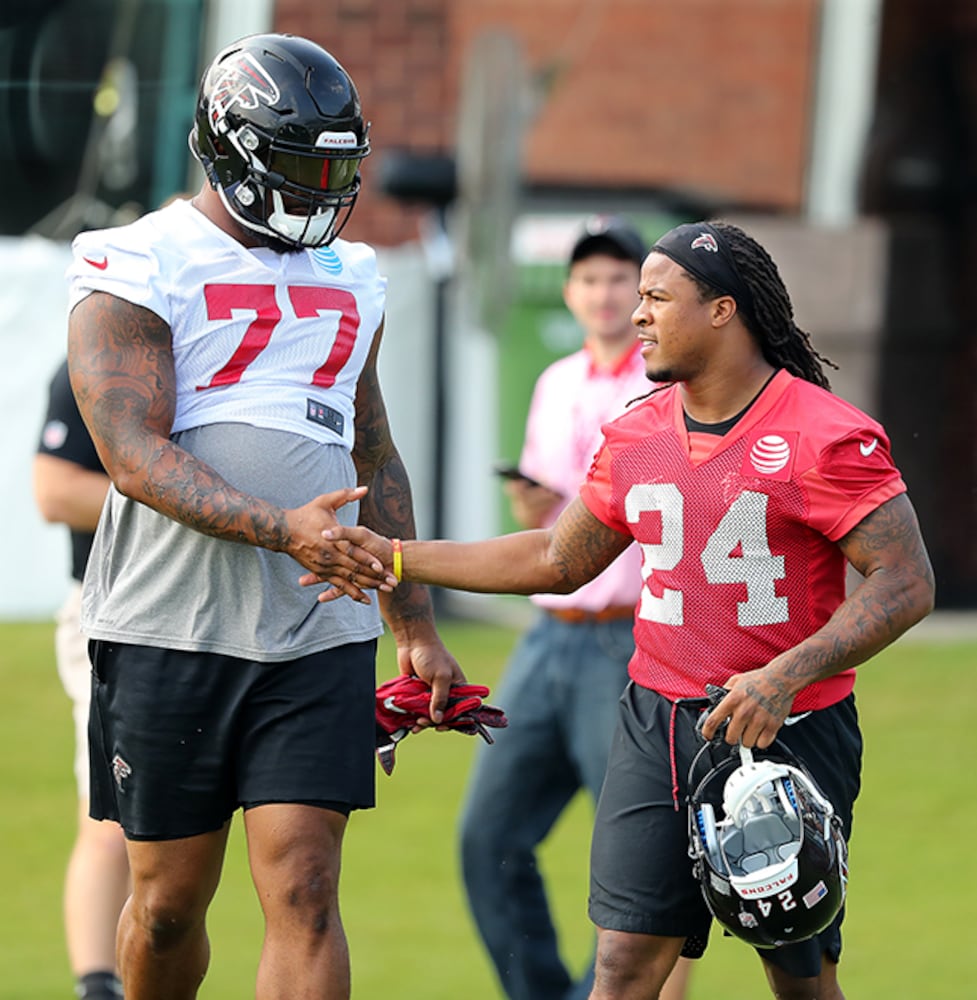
709,96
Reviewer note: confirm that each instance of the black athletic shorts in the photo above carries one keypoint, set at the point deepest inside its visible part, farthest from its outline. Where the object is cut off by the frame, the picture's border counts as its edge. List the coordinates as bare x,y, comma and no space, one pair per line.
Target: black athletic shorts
641,878
179,740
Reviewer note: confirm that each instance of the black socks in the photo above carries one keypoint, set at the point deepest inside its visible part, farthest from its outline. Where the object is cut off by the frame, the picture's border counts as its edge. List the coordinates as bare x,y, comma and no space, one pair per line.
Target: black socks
99,986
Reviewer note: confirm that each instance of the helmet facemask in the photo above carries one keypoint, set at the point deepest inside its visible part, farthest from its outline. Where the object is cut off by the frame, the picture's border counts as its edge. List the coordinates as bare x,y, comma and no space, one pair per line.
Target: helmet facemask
301,198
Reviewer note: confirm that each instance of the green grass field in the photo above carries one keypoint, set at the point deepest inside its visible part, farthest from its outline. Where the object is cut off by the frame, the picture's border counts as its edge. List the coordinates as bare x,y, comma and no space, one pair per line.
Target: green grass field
913,866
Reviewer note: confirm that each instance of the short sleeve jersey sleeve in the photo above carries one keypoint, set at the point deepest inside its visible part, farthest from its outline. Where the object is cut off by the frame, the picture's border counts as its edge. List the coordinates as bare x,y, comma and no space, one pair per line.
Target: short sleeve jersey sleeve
854,475
121,262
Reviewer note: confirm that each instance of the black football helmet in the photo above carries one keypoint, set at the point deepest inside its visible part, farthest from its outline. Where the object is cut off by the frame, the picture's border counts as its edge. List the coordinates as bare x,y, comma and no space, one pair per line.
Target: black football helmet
767,847
280,135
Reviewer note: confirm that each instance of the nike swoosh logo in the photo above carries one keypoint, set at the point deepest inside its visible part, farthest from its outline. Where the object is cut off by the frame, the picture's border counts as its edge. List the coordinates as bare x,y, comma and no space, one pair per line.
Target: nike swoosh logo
101,264
388,703
793,719
867,449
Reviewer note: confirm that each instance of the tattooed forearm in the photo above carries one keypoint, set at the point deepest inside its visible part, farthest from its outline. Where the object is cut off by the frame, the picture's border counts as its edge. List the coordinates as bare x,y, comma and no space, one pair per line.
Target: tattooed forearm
555,561
387,507
191,492
121,363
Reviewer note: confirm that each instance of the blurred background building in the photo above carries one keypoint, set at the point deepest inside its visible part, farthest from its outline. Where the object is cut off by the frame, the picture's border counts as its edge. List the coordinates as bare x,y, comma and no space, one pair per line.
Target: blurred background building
843,133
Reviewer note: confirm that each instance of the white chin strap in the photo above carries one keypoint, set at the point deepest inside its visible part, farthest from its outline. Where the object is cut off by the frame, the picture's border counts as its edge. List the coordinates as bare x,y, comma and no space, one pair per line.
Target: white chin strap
309,231
757,781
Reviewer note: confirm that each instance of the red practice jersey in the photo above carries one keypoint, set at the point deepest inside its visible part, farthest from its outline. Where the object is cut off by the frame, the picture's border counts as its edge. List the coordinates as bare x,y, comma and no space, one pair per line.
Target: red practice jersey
739,553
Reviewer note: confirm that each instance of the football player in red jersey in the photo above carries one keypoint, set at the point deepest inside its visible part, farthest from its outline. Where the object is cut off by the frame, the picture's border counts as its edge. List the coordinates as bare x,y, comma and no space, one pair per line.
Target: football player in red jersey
749,487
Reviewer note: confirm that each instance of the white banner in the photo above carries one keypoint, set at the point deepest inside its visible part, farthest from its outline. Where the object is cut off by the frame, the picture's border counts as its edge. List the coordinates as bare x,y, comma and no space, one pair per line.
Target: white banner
33,313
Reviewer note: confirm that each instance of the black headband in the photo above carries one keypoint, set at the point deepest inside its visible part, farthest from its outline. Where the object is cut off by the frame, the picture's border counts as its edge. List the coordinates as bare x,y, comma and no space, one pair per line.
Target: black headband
702,251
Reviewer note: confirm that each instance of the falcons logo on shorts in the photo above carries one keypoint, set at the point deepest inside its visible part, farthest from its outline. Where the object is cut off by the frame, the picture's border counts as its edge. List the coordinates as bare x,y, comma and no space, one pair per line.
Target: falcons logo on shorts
120,770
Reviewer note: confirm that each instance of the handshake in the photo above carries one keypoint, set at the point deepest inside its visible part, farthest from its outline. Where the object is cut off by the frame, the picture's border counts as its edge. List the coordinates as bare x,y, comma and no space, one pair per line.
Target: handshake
403,701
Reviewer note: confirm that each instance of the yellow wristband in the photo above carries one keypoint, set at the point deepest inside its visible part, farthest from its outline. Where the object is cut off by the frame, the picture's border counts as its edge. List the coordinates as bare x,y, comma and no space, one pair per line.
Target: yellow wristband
398,558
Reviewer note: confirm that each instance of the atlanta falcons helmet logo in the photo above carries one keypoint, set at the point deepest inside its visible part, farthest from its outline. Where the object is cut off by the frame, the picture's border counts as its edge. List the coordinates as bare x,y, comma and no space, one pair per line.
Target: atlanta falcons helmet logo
242,83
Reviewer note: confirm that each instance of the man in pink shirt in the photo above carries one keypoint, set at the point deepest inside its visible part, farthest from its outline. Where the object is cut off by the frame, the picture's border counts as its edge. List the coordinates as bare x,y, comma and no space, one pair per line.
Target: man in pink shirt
562,684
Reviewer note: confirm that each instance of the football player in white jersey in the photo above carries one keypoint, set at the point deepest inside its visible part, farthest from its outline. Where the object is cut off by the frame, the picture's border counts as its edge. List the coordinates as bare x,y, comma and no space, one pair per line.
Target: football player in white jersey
223,353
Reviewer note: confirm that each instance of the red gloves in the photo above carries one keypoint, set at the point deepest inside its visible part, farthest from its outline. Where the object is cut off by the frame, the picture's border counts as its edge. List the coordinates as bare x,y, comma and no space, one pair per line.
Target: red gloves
402,701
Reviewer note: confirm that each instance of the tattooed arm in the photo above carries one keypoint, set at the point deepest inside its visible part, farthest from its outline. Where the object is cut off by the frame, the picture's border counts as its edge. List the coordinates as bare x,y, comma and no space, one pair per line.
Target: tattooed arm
897,591
387,509
120,359
556,560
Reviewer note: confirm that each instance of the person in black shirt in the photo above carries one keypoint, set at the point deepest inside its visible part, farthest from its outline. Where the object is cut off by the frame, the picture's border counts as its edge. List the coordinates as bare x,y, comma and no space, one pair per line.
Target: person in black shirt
69,488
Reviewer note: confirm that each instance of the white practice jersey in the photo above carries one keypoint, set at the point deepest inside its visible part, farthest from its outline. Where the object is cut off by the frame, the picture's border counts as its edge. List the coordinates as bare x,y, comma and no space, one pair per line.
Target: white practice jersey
267,339
267,349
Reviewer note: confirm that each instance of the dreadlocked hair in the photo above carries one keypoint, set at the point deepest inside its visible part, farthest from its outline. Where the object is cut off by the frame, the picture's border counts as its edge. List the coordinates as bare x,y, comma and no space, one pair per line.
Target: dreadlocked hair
783,342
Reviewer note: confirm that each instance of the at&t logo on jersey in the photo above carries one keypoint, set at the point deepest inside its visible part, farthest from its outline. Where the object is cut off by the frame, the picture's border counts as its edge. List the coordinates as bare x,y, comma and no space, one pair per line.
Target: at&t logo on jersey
770,455
328,260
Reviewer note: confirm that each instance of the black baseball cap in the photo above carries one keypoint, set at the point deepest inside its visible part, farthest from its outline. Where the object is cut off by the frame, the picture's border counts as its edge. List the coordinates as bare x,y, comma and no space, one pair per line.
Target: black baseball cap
609,234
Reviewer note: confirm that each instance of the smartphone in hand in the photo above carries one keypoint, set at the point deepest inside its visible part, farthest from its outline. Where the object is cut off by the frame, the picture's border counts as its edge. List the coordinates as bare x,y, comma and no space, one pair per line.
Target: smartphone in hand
509,471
